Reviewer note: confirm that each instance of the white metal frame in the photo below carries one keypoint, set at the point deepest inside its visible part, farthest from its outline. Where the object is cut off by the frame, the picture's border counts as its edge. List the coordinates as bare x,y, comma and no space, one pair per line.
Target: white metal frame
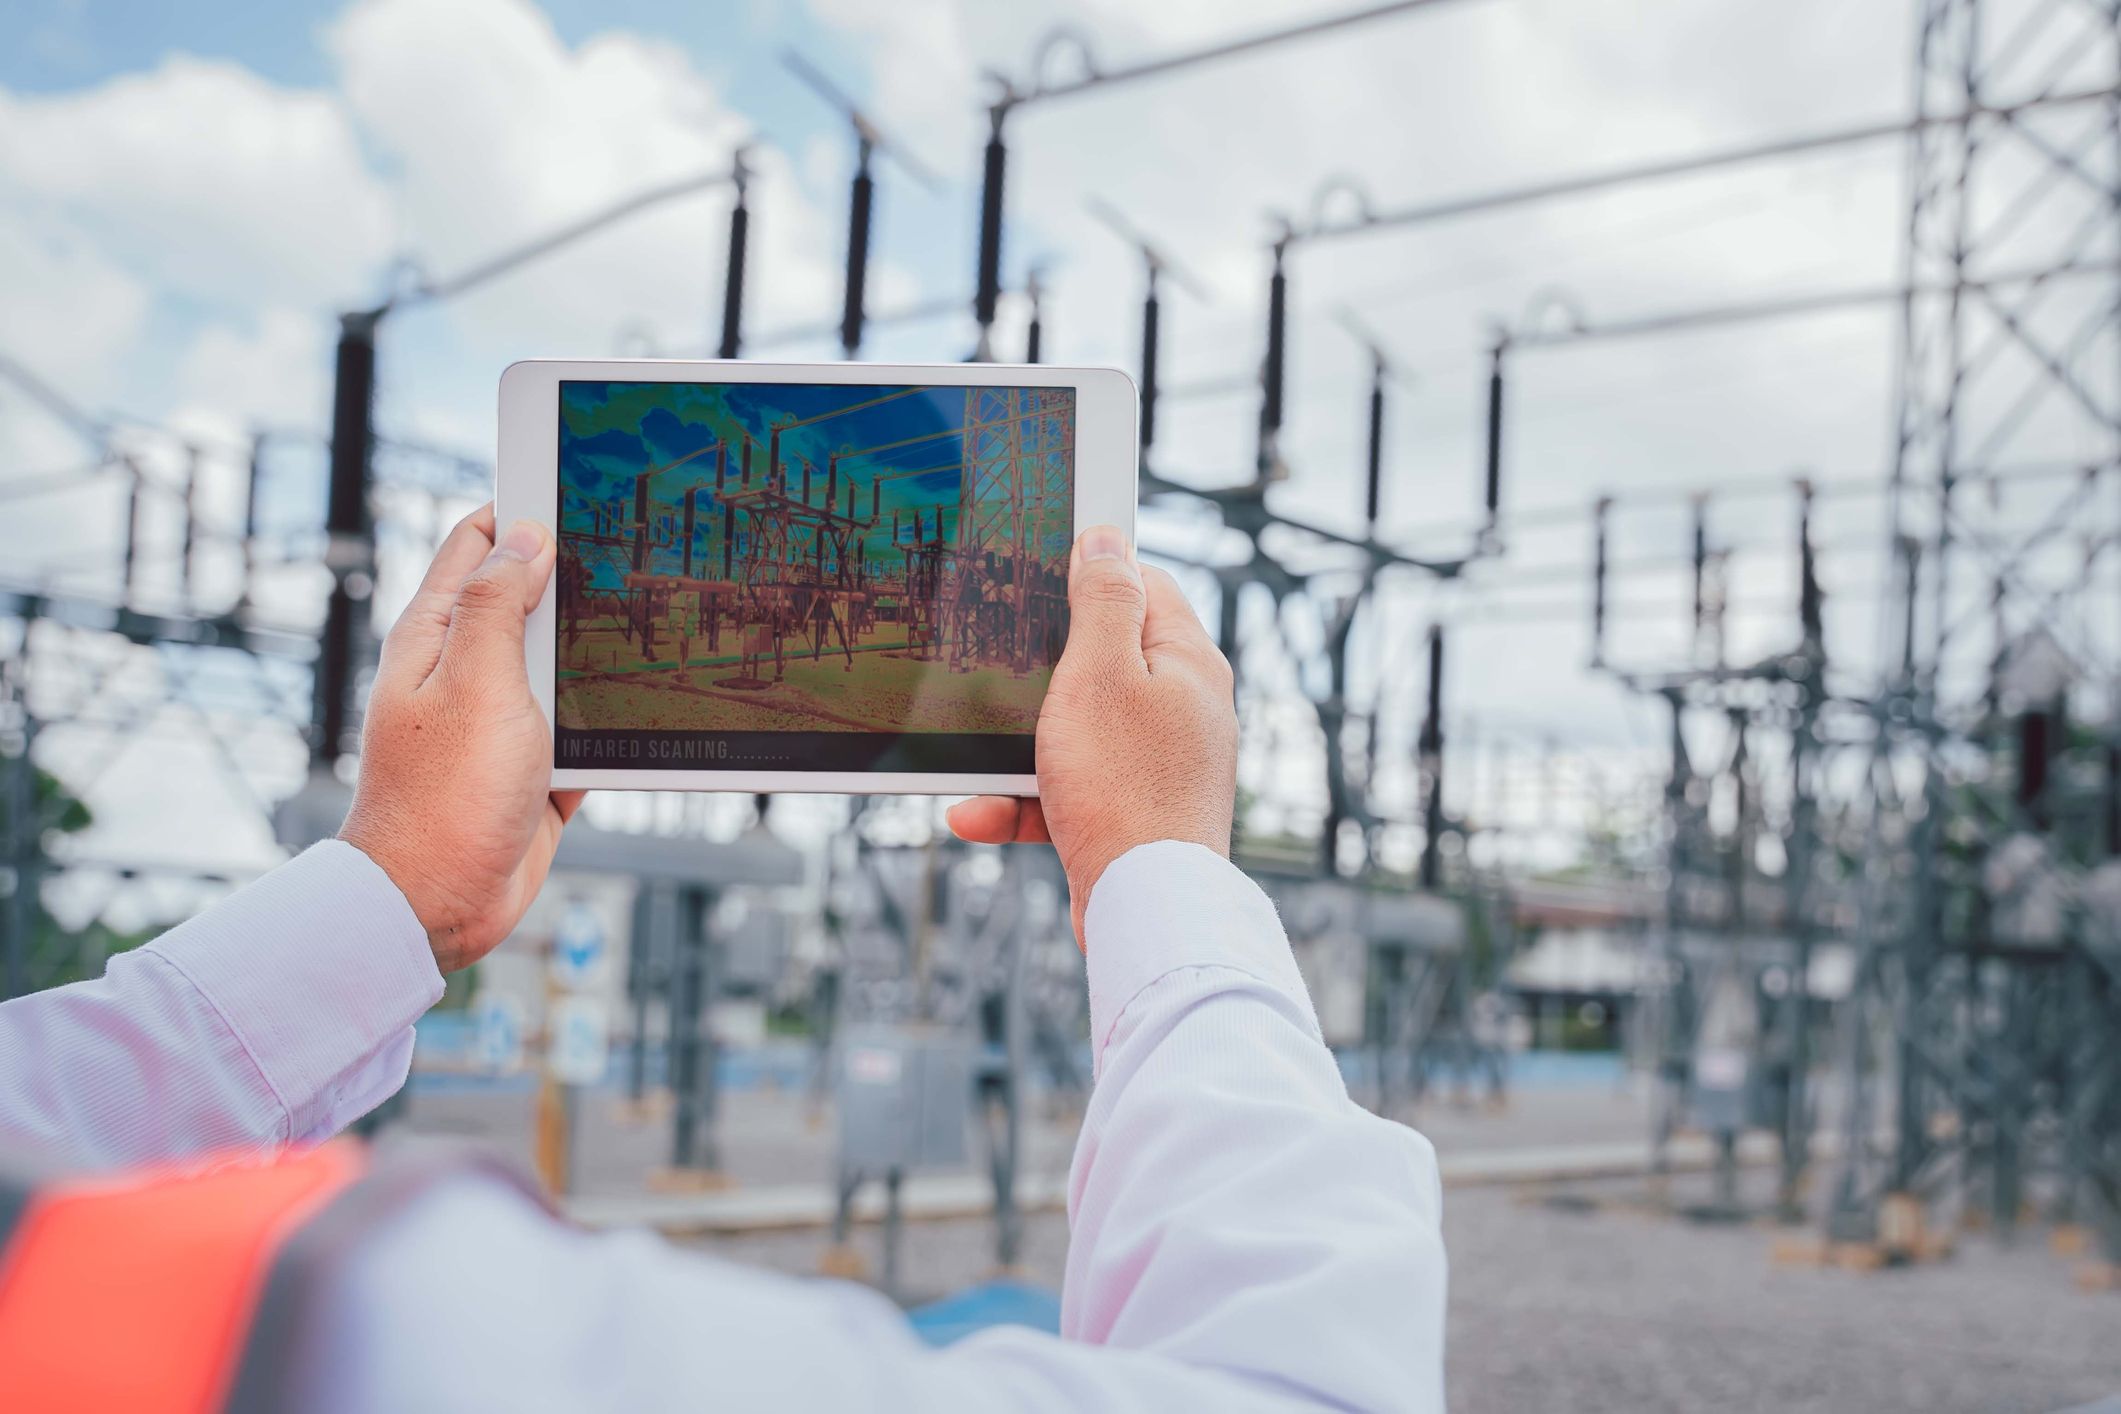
527,488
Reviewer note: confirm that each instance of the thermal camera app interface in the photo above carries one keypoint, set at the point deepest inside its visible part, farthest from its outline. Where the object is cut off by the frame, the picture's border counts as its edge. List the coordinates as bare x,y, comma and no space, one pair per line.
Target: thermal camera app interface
777,576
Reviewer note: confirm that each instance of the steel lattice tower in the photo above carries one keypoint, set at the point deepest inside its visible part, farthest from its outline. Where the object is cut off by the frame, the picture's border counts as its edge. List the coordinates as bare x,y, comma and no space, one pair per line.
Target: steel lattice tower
1976,1048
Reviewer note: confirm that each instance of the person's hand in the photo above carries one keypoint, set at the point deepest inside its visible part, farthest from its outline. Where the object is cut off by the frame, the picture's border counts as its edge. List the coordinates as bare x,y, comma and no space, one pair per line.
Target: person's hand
1137,741
454,800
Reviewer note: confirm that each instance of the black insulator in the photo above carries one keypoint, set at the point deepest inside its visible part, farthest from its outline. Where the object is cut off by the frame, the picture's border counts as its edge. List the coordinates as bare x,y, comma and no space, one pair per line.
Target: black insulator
1598,583
1701,562
692,508
728,542
1148,388
832,482
852,315
1277,349
1432,724
876,498
989,289
733,284
191,522
352,431
1494,481
721,465
1374,485
640,523
1034,336
806,487
250,494
1808,596
747,460
132,530
1432,761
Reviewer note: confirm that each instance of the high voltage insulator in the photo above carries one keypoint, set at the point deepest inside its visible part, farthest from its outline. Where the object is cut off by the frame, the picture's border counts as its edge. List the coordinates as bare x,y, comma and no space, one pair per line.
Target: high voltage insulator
692,510
136,484
1148,364
1431,752
1600,514
1809,616
733,280
253,478
858,208
1701,564
1493,499
988,293
1373,483
1273,376
869,140
186,567
349,552
1034,333
1155,265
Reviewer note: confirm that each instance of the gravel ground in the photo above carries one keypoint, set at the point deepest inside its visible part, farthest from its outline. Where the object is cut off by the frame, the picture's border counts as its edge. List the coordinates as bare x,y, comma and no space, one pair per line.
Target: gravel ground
1591,1303
1613,1310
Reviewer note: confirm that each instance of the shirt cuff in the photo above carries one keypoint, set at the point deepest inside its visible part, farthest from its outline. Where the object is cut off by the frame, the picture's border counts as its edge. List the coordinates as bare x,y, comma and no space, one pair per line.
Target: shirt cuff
318,968
1166,906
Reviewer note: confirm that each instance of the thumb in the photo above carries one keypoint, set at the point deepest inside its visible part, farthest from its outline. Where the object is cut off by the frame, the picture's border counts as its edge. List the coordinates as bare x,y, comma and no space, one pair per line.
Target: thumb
1106,602
485,637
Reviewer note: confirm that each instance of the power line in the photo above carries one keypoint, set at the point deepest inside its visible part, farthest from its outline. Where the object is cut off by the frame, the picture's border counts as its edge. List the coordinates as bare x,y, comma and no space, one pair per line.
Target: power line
1095,77
1367,221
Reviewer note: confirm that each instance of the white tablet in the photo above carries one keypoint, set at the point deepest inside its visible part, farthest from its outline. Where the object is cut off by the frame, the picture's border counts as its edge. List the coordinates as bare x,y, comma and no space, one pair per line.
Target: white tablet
806,577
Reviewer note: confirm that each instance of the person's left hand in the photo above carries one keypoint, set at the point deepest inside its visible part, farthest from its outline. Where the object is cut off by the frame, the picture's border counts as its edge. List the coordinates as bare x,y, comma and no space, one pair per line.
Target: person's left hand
454,800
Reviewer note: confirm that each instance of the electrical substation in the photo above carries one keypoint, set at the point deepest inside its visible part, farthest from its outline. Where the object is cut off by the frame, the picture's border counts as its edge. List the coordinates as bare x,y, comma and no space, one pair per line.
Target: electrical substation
733,566
1854,969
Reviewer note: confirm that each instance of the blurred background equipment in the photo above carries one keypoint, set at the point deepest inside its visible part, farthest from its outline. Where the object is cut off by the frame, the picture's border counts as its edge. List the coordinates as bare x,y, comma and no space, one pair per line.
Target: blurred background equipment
1707,831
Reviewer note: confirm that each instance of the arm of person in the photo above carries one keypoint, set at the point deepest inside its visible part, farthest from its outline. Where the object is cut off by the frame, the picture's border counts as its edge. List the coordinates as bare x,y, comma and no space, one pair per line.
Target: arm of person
285,1012
281,1014
541,1316
1244,1238
1230,1207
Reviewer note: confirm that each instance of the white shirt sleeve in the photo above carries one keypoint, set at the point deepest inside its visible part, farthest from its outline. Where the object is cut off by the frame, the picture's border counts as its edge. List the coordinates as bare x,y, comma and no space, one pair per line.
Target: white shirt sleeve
1229,1206
283,1013
1245,1238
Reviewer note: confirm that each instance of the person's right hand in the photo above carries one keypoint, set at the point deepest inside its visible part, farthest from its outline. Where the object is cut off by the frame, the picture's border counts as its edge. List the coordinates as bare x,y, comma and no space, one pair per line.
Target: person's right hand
455,800
1137,741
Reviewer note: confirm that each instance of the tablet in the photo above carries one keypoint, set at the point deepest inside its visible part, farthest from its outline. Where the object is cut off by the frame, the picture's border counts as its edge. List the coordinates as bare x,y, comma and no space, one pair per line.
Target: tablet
806,577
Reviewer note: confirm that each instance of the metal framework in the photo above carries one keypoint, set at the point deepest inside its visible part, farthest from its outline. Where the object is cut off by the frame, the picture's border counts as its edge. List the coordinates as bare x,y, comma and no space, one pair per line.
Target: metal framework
1978,1043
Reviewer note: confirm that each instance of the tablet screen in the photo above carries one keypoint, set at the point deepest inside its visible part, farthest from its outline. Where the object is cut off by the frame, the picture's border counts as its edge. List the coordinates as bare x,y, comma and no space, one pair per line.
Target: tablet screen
809,576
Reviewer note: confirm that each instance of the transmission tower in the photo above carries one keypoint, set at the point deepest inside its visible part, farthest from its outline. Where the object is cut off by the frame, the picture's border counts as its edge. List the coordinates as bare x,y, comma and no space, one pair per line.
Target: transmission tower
1976,1052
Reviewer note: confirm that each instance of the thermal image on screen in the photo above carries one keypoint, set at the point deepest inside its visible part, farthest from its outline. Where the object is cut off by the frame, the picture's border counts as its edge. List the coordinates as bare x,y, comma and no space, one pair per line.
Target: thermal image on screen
809,576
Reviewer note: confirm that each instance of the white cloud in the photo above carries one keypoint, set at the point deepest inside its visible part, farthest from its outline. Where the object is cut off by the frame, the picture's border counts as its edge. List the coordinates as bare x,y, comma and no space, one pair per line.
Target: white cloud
202,176
496,131
71,310
267,371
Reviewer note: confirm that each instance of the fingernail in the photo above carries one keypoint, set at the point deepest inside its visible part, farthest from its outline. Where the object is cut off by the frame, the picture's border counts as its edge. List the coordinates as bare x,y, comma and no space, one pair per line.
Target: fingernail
1104,542
522,542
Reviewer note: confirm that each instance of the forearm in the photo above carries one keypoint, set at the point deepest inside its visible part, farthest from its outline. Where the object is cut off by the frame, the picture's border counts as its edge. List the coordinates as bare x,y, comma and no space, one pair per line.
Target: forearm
281,1014
543,1316
1230,1206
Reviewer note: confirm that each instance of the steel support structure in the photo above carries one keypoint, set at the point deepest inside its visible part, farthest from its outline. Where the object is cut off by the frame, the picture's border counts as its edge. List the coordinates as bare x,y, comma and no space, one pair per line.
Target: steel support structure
1977,1060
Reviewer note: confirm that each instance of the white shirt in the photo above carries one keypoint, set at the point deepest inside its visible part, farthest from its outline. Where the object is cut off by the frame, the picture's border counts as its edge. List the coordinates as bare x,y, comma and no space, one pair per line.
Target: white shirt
1243,1236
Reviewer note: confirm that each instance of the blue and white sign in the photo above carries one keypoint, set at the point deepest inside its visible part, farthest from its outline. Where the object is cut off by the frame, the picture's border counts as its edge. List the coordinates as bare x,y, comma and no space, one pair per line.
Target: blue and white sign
578,946
579,1045
497,1033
